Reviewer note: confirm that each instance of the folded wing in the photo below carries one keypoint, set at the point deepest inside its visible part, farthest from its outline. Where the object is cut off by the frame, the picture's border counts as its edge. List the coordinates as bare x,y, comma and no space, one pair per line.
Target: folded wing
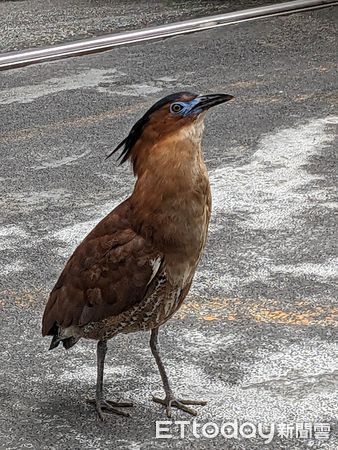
107,274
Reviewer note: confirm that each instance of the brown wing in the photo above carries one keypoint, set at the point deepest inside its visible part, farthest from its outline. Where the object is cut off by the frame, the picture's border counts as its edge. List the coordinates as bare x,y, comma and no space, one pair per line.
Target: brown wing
107,274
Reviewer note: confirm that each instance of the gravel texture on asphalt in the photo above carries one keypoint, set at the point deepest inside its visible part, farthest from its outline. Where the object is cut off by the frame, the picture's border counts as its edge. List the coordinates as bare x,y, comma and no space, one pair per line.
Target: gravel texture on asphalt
35,23
257,336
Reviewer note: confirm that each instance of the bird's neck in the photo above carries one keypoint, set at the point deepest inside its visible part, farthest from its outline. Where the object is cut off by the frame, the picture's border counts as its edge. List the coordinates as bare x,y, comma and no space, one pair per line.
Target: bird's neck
171,198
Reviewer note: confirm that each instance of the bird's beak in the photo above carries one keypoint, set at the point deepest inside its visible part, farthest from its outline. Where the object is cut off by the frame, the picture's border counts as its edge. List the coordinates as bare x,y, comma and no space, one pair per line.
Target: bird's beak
204,102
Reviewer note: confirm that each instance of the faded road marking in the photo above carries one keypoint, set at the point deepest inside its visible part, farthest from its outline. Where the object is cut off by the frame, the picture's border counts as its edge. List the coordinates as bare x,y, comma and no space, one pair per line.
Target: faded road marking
11,236
132,90
87,79
324,270
17,266
269,187
296,370
66,161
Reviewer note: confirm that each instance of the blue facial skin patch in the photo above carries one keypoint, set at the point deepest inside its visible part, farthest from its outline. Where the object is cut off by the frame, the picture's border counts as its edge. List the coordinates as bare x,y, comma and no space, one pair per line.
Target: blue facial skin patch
188,107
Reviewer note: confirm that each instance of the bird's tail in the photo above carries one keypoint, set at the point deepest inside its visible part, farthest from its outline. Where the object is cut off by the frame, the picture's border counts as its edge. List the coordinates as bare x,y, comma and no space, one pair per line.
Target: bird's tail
67,342
59,336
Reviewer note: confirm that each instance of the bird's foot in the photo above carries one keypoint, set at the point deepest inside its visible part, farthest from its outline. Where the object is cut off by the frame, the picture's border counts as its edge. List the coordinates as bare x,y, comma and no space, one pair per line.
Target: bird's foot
170,401
108,406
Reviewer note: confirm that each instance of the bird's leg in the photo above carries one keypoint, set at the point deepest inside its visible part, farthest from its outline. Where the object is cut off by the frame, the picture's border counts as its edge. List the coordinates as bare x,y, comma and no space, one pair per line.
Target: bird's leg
100,403
170,400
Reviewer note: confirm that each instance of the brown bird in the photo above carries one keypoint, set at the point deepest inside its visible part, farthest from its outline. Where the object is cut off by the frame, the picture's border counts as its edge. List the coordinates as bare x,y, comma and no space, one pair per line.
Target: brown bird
134,269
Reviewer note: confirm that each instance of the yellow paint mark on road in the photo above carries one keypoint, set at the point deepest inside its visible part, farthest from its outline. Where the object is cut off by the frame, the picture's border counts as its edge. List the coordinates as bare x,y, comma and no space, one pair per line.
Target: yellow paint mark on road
299,312
29,133
322,68
23,299
208,318
246,84
270,311
231,317
284,317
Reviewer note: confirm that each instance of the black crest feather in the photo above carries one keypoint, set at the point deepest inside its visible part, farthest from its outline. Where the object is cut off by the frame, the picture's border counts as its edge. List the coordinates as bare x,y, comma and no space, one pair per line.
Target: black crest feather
135,133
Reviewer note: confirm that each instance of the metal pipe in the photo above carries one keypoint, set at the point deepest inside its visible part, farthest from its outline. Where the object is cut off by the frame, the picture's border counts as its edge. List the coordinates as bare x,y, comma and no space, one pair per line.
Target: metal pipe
20,58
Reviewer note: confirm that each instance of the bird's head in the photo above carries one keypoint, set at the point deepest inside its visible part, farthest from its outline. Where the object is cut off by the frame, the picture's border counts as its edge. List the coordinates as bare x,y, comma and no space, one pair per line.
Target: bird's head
167,117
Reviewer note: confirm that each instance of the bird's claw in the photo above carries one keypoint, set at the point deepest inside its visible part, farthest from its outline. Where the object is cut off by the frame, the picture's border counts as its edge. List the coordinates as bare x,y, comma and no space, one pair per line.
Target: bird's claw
109,407
170,402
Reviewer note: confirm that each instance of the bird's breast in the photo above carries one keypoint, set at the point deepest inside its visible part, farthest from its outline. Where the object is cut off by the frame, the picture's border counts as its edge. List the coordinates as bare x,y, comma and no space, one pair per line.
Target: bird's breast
171,202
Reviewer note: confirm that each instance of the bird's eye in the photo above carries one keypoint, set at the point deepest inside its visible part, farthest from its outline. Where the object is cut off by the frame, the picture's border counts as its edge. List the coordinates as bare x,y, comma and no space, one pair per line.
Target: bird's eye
176,108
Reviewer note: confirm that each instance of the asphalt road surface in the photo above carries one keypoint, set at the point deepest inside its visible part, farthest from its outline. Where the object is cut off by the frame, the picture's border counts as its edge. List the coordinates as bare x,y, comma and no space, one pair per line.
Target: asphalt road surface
257,336
33,23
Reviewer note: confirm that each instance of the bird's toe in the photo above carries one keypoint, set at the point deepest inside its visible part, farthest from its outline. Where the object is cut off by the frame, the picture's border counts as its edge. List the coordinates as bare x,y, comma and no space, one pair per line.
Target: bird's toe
109,407
170,402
